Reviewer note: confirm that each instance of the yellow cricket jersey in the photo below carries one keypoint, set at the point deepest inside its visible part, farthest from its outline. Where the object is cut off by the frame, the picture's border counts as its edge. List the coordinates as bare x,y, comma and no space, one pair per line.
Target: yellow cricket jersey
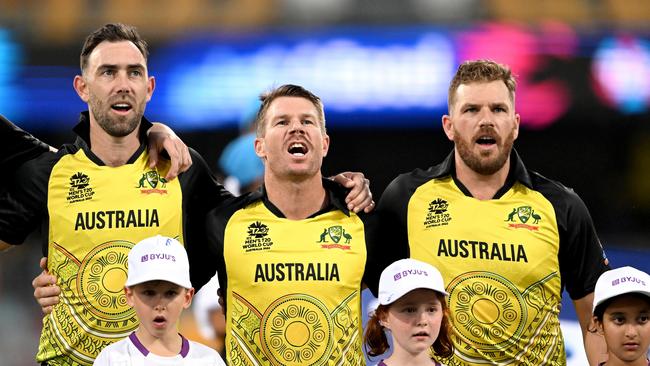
504,260
95,214
293,286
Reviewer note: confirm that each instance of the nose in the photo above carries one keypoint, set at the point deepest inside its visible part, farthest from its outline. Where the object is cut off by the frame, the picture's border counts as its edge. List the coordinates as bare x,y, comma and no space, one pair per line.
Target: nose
122,83
423,318
486,119
297,127
630,331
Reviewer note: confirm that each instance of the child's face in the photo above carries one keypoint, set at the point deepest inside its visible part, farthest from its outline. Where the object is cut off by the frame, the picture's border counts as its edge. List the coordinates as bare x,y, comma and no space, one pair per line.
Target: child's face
414,320
626,328
158,305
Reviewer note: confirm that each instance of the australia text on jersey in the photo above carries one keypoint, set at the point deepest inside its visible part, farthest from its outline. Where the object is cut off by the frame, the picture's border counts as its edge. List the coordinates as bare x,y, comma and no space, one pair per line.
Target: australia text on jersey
116,219
482,250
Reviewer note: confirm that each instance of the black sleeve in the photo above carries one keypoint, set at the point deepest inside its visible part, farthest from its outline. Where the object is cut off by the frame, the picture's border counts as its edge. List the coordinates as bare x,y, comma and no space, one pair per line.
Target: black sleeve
215,226
392,215
201,193
581,256
23,206
378,256
17,146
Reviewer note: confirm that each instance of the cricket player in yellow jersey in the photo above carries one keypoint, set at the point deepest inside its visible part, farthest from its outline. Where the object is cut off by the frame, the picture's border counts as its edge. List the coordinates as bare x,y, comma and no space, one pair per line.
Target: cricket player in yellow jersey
99,196
506,239
294,256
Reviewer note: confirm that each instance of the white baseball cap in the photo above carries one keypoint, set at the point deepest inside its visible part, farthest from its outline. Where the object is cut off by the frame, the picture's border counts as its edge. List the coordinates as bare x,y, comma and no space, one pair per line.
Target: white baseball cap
620,281
406,275
159,258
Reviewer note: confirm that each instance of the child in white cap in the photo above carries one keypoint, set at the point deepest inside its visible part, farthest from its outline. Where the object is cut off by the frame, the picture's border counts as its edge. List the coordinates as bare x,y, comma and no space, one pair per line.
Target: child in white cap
158,287
622,315
413,310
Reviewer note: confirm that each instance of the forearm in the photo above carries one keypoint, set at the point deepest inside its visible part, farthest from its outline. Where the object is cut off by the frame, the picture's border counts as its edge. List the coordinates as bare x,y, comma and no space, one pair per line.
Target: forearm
595,348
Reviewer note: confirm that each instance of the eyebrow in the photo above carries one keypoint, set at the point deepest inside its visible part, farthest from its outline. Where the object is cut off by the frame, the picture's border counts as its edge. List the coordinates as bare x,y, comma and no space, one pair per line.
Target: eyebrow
302,116
491,105
115,66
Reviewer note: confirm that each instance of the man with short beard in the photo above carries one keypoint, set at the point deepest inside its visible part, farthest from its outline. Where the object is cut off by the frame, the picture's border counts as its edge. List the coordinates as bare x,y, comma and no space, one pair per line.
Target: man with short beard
96,197
506,239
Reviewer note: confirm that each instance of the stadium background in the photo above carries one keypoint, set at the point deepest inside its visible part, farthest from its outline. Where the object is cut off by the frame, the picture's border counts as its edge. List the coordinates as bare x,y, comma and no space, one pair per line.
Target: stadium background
382,68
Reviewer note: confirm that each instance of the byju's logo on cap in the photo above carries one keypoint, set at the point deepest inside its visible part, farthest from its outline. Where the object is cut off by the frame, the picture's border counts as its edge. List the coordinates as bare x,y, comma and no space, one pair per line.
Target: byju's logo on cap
416,272
159,256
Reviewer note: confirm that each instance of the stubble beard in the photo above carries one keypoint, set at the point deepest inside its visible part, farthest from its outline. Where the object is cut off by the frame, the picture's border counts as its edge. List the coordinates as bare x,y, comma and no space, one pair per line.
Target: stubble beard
480,164
116,126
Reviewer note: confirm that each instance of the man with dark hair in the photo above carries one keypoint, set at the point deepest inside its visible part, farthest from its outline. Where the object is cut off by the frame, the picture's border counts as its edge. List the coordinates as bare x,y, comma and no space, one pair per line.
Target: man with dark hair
506,239
88,199
292,256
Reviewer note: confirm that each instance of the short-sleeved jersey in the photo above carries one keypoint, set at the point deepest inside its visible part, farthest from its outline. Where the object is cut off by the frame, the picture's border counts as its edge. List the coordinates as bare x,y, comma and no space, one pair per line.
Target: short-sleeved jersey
504,261
131,352
93,214
17,145
292,287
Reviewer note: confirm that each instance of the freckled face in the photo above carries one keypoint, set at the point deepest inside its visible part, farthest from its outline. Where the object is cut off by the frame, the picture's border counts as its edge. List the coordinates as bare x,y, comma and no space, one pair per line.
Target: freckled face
414,320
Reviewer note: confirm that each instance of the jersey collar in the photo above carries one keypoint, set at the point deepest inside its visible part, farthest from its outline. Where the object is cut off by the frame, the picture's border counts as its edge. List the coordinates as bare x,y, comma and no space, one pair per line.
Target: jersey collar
517,173
335,196
82,129
185,345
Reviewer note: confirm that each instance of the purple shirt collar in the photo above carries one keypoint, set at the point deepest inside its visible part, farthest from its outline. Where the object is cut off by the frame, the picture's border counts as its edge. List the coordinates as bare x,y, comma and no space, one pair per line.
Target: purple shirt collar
185,346
381,363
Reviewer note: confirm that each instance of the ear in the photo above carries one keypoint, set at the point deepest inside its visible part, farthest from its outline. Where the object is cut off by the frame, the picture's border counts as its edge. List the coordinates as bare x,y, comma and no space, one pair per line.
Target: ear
382,318
151,85
80,86
517,121
129,296
187,298
448,126
260,148
326,144
599,326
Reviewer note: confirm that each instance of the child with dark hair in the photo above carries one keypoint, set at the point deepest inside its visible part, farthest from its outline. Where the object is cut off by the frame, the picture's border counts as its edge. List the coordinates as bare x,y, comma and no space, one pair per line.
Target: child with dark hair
622,315
413,311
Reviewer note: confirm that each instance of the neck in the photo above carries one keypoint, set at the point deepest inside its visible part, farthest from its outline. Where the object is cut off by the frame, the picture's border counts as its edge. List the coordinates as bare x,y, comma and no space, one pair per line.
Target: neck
168,345
403,358
482,187
297,199
113,151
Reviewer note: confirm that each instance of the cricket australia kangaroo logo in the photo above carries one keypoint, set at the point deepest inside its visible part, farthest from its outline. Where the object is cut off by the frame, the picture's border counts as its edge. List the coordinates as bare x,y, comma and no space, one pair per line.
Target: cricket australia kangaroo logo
519,217
335,234
149,183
